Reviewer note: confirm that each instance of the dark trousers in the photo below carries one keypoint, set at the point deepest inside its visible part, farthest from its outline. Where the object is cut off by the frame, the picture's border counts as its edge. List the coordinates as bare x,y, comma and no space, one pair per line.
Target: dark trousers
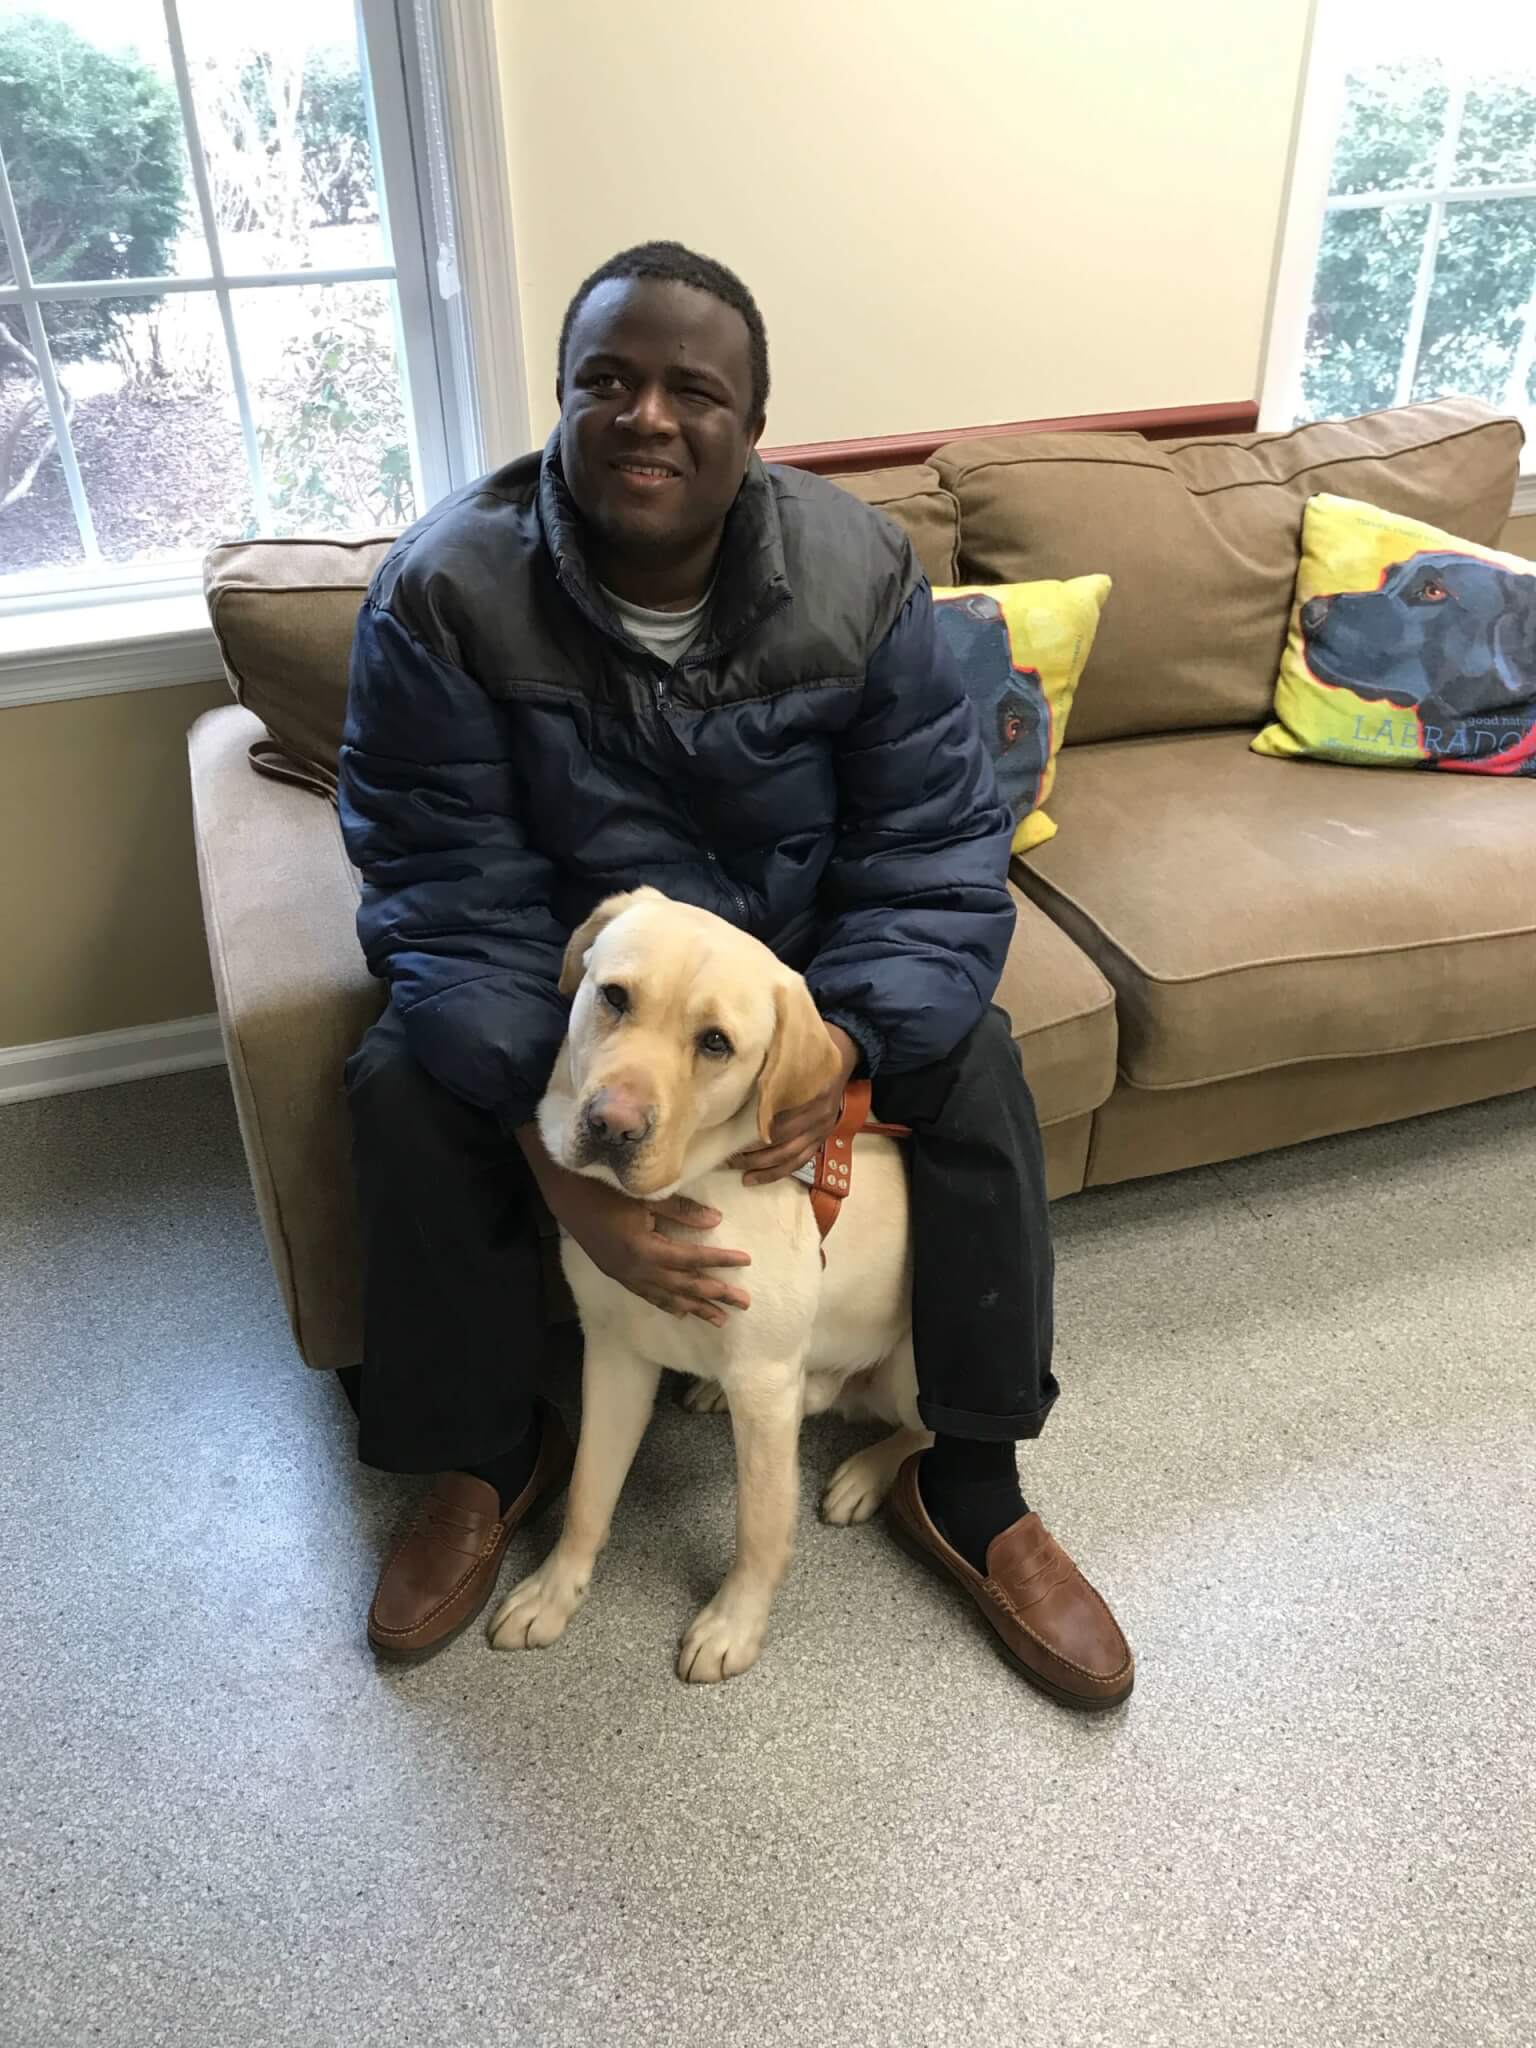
453,1316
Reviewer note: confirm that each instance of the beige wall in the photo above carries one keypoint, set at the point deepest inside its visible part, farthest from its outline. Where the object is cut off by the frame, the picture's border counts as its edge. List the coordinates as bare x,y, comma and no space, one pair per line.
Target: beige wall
949,215
98,886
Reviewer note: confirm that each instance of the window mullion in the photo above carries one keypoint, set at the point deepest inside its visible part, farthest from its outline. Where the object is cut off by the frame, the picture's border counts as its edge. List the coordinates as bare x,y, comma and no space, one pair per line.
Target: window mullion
216,262
47,377
161,287
1425,195
423,326
1423,284
1516,391
1445,164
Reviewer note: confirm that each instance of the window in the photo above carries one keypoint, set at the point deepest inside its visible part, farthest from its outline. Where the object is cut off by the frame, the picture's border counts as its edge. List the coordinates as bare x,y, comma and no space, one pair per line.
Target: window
207,327
1409,269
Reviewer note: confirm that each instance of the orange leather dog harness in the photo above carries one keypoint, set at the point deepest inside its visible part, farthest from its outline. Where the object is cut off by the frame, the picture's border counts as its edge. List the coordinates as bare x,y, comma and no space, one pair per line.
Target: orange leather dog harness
834,1162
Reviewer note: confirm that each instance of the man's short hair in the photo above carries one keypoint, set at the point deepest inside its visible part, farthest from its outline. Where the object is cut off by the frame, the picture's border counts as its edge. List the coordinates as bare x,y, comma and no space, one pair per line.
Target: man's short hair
671,263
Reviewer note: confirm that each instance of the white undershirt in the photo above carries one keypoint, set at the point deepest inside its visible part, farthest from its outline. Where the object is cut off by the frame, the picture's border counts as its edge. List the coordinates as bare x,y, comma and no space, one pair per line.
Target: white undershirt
668,634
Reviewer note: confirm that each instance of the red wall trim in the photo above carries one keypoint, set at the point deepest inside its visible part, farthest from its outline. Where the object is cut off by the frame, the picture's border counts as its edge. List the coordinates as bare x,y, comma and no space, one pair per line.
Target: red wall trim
885,451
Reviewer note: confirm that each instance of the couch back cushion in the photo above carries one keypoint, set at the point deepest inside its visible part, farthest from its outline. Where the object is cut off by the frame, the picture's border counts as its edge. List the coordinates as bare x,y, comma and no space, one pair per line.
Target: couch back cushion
921,506
283,612
1202,540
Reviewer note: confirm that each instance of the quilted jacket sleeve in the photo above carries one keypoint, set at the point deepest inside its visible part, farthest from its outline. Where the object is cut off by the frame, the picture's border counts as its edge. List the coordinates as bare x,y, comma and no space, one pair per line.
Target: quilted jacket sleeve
916,896
455,911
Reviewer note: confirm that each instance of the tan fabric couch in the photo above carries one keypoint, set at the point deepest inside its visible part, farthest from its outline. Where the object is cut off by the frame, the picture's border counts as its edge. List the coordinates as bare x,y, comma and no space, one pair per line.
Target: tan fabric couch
1217,954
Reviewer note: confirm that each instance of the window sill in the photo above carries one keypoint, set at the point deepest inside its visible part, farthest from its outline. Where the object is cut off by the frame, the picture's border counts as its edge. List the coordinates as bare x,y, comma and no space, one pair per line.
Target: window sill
101,650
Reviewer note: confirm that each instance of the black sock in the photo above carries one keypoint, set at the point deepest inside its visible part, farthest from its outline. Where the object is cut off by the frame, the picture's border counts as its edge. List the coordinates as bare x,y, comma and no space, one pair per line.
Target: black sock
971,1492
511,1472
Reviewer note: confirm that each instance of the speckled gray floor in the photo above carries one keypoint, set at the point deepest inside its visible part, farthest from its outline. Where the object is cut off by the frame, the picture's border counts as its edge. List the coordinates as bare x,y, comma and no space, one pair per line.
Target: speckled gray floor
1298,1451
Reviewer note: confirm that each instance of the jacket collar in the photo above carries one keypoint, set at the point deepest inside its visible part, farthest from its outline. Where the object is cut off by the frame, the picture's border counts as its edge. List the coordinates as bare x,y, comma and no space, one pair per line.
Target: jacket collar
750,580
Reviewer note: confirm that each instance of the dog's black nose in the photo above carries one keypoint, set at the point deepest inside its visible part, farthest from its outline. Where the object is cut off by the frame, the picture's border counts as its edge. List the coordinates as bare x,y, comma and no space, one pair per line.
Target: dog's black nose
1313,613
616,1119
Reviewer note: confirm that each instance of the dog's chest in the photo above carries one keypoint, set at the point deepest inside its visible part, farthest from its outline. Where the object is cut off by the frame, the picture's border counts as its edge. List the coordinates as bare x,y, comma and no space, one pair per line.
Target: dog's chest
776,1228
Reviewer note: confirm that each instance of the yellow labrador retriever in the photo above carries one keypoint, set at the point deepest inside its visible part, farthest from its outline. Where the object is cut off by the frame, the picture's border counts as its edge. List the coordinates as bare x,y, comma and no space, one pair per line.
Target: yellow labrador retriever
686,1039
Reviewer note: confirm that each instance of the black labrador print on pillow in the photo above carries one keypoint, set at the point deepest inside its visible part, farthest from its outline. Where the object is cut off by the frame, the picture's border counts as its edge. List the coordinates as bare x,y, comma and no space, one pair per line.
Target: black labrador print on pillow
1020,649
1408,648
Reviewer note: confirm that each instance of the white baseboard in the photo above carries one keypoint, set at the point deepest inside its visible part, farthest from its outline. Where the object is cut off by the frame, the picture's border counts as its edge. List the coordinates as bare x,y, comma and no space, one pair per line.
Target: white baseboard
59,1065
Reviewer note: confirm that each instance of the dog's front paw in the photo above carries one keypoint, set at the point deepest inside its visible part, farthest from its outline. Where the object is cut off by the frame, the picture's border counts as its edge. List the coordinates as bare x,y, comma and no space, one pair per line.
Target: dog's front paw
705,1397
858,1486
534,1614
726,1638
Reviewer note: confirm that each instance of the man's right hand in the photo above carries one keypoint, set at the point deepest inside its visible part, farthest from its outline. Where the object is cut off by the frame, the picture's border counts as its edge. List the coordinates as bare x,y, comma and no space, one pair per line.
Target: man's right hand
622,1239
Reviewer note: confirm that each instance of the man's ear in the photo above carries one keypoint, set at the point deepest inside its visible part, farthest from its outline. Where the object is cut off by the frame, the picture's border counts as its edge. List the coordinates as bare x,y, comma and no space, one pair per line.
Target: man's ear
586,935
802,1060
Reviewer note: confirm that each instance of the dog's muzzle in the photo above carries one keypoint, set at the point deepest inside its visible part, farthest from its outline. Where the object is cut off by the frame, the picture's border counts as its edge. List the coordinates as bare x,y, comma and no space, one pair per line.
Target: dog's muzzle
614,1125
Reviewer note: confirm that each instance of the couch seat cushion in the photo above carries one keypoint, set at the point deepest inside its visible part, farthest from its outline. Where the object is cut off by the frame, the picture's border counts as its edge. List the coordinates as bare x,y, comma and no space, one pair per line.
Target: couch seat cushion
1252,914
1063,1015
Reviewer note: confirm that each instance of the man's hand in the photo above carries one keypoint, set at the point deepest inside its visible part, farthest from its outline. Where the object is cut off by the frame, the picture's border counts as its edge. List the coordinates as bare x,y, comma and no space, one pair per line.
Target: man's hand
797,1134
621,1238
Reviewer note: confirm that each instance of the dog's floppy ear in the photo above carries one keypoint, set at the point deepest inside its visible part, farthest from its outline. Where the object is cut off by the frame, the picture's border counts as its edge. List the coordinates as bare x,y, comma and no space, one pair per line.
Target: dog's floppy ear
802,1059
1514,638
586,935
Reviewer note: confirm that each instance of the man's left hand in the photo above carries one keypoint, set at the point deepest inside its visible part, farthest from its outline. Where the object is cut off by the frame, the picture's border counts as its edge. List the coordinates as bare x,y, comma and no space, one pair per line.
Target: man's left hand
797,1134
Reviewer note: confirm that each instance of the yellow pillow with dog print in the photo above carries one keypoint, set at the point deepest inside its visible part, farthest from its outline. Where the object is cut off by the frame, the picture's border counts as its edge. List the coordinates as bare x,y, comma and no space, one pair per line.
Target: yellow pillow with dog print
1020,650
1408,648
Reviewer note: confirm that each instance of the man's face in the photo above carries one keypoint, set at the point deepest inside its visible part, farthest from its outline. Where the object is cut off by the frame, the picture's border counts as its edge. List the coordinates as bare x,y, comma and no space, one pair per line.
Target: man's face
655,428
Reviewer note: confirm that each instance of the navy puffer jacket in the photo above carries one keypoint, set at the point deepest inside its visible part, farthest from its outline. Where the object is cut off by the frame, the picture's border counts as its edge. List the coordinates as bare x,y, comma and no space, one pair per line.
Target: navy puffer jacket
810,770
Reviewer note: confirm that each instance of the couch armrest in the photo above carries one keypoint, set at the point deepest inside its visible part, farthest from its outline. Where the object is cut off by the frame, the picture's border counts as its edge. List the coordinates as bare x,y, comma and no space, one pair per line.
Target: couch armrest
279,902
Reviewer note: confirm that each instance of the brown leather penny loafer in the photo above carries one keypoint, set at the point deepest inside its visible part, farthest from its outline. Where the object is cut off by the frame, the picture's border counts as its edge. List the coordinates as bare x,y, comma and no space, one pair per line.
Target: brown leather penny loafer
444,1571
1049,1621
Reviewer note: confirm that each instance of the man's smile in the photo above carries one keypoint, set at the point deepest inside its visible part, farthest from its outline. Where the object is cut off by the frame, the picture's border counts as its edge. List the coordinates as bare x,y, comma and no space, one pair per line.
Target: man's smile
644,472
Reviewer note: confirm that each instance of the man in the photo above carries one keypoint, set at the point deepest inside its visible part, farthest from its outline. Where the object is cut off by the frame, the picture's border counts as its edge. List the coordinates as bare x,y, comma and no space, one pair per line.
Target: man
645,657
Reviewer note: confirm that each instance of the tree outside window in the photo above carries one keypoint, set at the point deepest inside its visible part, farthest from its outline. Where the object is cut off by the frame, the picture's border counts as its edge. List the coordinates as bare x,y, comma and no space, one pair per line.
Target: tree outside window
95,146
1425,284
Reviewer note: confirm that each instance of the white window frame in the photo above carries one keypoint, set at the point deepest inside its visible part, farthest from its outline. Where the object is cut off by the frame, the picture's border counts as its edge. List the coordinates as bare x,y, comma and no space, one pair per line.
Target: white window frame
1307,206
440,157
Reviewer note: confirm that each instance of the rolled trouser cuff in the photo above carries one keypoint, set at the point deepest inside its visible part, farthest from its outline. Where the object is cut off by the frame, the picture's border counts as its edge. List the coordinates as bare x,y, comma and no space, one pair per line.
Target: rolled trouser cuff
983,1428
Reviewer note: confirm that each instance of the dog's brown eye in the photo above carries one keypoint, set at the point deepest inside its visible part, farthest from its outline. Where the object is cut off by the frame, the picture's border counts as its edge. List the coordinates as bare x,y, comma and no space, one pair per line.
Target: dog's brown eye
616,996
1432,590
715,1044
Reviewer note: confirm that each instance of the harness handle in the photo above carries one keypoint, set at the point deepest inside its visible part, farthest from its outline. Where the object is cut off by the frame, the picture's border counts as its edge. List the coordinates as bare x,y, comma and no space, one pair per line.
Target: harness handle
834,1161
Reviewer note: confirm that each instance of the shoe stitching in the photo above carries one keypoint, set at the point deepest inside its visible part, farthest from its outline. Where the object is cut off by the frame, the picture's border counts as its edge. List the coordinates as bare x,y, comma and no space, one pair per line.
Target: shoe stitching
1045,1564
1044,1592
995,1592
383,1628
500,1531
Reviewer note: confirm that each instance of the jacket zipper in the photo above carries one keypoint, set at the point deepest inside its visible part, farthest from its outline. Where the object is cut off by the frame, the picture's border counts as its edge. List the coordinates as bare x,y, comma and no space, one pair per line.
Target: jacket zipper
726,883
710,855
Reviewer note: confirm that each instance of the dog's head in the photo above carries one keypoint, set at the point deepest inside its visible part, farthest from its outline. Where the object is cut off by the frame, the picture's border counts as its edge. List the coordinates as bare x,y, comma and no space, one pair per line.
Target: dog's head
1445,631
681,1026
1010,701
